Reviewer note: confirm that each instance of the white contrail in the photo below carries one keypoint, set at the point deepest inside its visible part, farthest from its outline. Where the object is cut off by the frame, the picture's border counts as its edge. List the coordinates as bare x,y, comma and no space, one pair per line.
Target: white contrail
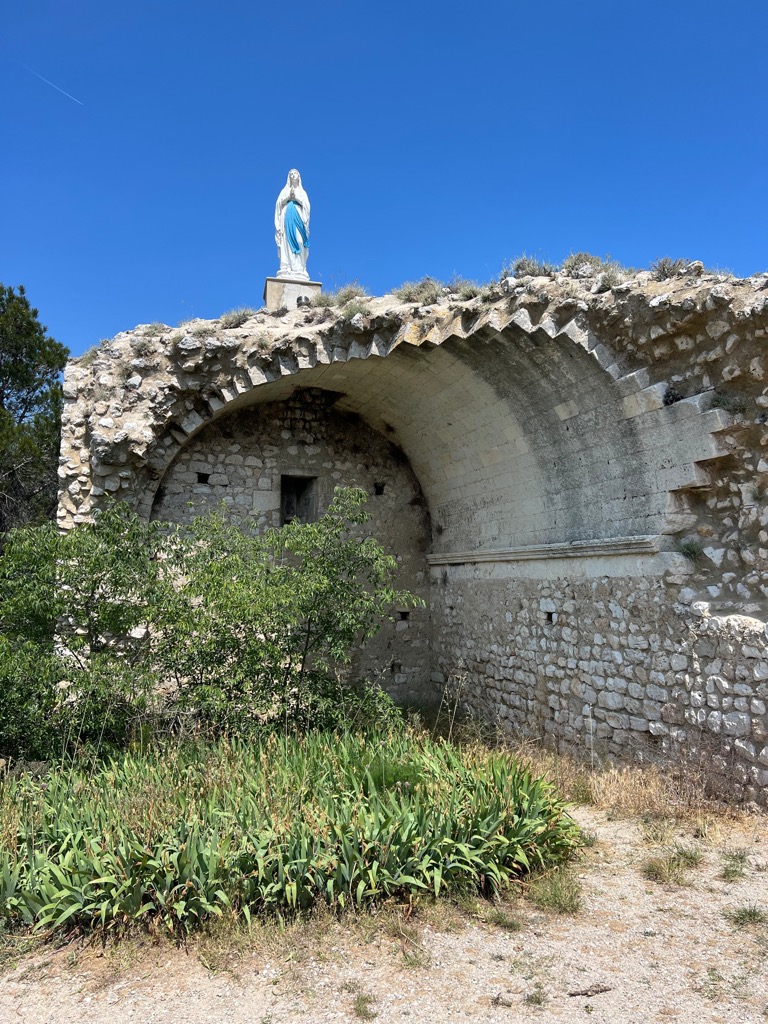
37,75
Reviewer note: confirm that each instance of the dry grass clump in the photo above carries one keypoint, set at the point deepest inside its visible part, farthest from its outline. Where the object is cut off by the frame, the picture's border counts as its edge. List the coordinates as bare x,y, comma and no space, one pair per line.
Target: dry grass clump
666,267
353,308
464,289
203,331
236,317
527,266
425,292
341,296
671,867
630,790
154,330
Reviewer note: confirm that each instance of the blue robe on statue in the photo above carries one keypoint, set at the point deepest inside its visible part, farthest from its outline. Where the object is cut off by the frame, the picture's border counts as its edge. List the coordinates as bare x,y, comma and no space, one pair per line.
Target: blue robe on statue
294,227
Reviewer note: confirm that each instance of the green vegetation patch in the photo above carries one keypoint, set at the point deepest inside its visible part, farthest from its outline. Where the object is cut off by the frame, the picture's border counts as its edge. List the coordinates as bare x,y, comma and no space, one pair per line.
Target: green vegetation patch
179,834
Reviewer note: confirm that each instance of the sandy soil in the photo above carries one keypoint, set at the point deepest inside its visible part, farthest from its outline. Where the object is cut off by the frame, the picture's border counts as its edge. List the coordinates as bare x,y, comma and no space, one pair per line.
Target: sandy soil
660,952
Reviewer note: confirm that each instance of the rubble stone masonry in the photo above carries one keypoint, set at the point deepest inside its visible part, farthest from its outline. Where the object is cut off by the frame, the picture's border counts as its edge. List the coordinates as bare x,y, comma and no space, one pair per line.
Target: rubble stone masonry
574,476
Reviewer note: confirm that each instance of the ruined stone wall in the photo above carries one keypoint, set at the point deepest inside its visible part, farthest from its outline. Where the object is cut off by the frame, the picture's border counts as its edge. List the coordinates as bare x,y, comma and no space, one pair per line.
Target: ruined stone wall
594,462
240,461
608,667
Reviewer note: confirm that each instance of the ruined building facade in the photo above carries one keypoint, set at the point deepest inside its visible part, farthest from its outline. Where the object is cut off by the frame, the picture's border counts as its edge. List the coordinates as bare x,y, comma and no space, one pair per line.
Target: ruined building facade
573,479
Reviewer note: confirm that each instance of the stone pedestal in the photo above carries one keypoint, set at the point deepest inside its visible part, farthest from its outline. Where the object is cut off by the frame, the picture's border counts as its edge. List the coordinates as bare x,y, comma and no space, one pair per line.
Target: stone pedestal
285,292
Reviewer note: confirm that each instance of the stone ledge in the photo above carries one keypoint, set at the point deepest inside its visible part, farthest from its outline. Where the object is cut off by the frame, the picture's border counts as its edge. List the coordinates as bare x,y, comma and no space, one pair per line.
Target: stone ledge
575,549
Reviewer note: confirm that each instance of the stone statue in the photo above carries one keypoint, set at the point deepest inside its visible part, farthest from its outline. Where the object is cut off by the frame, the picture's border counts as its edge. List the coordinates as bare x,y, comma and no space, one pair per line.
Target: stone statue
292,229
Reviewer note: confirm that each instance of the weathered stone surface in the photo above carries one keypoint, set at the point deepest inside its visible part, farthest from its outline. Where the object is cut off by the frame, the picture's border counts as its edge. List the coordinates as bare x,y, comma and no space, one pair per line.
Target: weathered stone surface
592,468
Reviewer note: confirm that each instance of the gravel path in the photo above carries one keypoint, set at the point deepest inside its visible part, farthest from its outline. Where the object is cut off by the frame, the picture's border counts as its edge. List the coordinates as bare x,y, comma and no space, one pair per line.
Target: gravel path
661,952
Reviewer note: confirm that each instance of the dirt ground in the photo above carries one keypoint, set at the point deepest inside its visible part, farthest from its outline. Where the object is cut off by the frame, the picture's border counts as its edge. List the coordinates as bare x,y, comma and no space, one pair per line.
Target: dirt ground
637,951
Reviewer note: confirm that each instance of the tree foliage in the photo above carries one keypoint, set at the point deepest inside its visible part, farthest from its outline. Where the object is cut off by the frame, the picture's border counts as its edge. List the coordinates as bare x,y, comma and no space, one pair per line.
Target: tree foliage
30,412
122,625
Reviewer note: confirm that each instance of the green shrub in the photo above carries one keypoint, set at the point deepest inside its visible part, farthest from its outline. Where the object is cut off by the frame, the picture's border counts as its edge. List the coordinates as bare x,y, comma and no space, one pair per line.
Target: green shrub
236,317
426,292
180,834
122,625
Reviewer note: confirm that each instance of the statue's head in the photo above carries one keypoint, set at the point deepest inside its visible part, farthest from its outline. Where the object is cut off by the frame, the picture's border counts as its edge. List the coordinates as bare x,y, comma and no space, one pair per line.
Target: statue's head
294,178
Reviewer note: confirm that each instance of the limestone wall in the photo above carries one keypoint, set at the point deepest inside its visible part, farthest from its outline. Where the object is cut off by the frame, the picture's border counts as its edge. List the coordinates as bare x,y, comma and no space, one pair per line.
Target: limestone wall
606,666
594,464
239,463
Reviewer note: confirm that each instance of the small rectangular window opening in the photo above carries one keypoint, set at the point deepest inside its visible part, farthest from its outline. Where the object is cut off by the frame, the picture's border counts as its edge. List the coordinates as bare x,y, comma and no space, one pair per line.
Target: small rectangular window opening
404,616
203,478
298,499
378,489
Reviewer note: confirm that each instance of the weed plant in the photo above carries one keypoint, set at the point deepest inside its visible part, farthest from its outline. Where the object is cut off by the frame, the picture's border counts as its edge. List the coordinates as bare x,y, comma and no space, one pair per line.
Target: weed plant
527,266
363,1006
735,865
425,292
671,868
692,548
154,330
341,297
236,317
180,834
353,307
666,267
729,401
745,917
557,890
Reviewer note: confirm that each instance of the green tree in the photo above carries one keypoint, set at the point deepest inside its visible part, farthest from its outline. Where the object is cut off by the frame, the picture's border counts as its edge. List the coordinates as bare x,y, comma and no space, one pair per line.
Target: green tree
121,626
31,364
265,627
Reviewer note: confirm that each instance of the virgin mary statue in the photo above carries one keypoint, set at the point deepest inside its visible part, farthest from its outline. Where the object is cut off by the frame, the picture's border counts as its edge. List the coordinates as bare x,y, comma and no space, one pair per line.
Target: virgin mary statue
292,228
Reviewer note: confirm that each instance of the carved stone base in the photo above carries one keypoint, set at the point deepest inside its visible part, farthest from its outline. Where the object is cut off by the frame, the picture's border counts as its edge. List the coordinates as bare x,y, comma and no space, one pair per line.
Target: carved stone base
280,292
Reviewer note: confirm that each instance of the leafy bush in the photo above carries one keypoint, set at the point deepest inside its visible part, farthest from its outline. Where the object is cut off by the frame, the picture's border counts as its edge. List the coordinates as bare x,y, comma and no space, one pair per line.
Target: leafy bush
275,825
236,317
121,625
426,292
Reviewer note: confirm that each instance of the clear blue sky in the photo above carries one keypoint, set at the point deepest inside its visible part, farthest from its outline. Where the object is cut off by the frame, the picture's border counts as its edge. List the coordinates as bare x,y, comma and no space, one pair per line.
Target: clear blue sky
437,139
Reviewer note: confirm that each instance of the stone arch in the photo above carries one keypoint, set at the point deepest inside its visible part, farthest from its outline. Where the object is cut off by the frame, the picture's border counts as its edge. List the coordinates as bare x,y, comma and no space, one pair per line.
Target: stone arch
529,441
